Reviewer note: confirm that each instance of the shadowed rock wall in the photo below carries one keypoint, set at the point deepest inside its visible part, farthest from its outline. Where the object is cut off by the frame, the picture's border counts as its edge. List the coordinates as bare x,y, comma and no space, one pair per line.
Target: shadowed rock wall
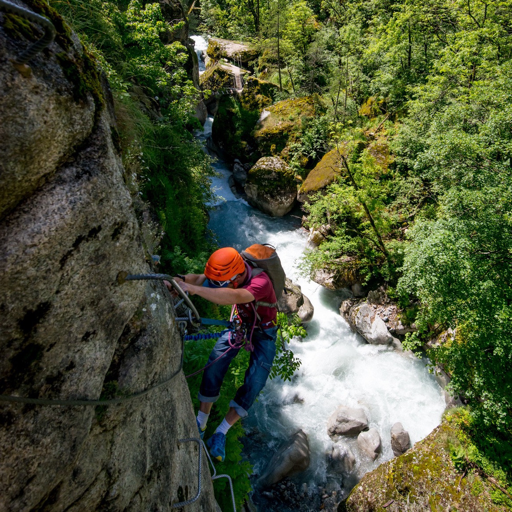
67,329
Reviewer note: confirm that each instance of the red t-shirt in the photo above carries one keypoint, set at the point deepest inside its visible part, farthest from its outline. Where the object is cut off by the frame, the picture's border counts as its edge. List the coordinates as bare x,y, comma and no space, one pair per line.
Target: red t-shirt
261,288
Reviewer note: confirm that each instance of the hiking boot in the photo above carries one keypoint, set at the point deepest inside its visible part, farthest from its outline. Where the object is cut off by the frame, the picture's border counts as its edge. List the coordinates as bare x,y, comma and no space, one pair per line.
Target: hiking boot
217,446
201,432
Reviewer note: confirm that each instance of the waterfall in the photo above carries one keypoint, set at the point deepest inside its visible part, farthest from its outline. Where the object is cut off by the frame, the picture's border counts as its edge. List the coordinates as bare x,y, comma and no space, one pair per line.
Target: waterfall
200,46
338,366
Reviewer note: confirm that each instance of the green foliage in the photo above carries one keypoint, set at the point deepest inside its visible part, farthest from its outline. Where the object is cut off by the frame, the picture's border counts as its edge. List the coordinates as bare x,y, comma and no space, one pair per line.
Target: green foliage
285,363
477,448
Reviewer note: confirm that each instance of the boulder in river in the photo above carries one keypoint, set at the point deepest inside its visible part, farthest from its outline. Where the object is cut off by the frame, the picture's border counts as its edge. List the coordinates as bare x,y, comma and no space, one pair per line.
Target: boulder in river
271,186
293,301
292,457
363,318
341,458
400,440
370,443
347,421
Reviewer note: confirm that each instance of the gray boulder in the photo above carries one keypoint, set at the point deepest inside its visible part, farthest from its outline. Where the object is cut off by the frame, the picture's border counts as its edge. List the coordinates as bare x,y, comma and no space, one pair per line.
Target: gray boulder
400,440
347,421
341,458
292,457
293,301
271,186
365,320
370,443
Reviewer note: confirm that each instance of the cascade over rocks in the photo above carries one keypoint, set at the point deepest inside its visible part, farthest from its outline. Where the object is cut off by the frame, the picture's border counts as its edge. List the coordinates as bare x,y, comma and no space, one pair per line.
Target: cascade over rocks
292,457
346,421
271,186
68,329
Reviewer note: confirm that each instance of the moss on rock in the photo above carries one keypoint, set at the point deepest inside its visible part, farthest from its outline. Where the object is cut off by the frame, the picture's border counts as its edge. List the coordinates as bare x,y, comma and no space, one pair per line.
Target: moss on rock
216,79
425,478
271,186
324,173
257,94
283,125
232,129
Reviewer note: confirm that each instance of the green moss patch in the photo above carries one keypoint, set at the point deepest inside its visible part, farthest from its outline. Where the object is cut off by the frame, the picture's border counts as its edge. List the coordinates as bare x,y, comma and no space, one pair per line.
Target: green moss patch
324,173
284,124
216,79
258,94
427,477
271,174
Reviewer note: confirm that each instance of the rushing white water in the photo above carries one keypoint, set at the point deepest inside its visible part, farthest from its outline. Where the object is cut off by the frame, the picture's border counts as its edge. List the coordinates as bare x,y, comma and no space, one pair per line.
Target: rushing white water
338,367
200,46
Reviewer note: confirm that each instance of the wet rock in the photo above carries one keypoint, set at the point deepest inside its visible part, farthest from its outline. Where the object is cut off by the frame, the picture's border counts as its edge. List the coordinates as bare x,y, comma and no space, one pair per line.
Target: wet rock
341,458
271,187
370,443
347,421
292,457
239,172
400,440
293,301
358,290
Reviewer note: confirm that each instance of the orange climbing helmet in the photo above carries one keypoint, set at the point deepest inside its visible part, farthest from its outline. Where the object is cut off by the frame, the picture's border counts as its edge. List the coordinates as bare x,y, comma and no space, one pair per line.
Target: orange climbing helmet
224,264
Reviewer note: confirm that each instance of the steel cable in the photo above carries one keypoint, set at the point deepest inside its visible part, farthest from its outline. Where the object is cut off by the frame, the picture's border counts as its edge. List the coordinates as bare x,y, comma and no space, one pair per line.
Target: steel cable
40,44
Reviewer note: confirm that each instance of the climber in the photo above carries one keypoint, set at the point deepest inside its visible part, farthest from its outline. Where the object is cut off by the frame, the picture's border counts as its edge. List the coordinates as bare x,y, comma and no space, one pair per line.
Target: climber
227,279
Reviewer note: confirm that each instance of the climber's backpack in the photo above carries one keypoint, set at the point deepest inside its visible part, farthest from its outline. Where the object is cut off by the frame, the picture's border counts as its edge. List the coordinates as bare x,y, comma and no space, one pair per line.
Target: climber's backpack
264,258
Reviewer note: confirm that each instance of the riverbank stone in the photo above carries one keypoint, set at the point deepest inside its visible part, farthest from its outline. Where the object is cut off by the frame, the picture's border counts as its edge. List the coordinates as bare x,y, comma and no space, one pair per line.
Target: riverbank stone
400,440
292,457
294,302
341,459
370,443
346,421
271,186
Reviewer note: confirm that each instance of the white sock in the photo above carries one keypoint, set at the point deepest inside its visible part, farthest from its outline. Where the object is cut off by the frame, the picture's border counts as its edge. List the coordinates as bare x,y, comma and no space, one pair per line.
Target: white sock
202,418
223,427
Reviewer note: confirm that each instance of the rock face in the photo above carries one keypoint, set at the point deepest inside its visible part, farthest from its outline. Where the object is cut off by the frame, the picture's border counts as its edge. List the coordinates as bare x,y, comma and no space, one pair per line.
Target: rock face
370,443
347,421
342,459
400,440
291,458
293,301
67,329
271,187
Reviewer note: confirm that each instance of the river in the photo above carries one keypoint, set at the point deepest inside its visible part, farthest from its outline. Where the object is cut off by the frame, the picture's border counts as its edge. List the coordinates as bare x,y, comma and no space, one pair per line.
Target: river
338,366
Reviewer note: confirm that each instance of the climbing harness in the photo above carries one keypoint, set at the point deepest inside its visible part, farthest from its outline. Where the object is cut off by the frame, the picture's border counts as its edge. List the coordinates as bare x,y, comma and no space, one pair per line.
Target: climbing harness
40,44
237,338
